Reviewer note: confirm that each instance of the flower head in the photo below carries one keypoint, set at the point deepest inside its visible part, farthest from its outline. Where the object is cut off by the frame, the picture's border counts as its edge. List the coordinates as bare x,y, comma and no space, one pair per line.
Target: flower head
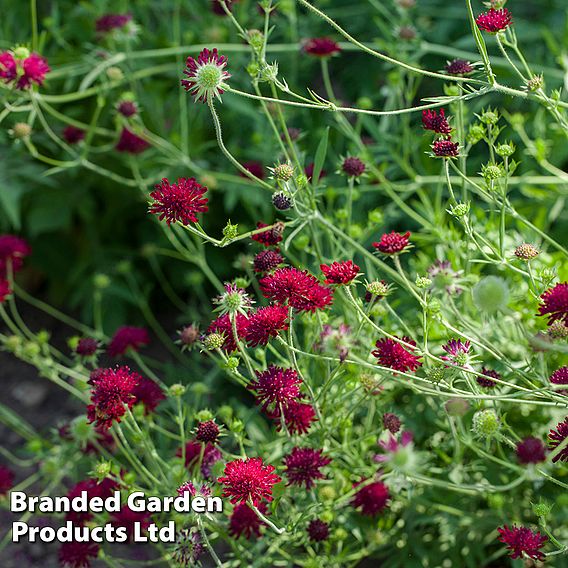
272,236
444,276
303,466
555,304
178,202
206,75
6,479
13,250
207,432
224,326
526,252
282,201
459,67
299,288
393,243
86,347
521,540
318,530
131,143
73,135
23,70
371,498
4,290
266,323
244,521
298,417
75,554
398,452
112,392
276,387
267,260
249,480
332,338
110,22
340,272
391,422
560,376
188,547
149,394
353,167
127,337
494,21
392,354
127,108
458,353
193,448
556,437
190,488
321,47
531,450
438,123
487,380
445,148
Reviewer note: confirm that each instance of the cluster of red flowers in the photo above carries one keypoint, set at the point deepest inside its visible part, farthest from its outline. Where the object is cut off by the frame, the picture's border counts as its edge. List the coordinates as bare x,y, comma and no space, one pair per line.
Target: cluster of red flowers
127,337
442,147
271,237
22,72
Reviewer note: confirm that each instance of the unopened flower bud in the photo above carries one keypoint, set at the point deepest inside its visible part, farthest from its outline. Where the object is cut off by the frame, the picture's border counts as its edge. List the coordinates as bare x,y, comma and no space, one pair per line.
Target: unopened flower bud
177,390
213,341
422,282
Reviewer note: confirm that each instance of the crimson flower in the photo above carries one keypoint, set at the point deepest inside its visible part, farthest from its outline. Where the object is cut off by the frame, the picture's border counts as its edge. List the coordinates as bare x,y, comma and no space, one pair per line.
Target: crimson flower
276,386
560,376
340,272
224,326
131,143
4,290
30,69
6,479
206,75
556,437
555,304
265,324
391,422
459,67
487,382
13,250
211,455
110,22
531,450
73,135
244,521
127,337
393,243
299,288
303,466
445,148
178,202
494,21
127,108
321,47
271,236
318,530
372,498
149,393
353,167
521,540
255,168
207,432
112,391
267,260
392,354
77,554
309,171
438,123
249,480
298,417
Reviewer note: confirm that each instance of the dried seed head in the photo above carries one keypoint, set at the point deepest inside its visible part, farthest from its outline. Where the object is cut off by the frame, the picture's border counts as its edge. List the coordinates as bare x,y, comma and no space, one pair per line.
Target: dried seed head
526,252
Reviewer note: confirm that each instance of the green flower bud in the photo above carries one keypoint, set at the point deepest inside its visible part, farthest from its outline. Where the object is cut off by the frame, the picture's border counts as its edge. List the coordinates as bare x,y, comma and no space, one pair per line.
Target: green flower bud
225,413
301,242
255,39
340,534
102,470
542,509
199,388
269,73
21,52
31,350
437,373
485,424
327,493
21,130
101,281
489,117
232,363
327,516
115,74
492,171
378,288
283,172
476,133
213,341
13,343
177,390
526,252
422,282
459,209
535,83
204,415
230,231
505,150
237,426
491,294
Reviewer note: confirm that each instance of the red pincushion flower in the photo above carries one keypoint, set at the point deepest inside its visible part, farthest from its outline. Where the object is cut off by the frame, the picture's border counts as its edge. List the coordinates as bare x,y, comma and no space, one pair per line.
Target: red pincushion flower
392,243
149,393
110,22
6,479
271,236
86,347
298,417
438,123
531,450
494,21
249,480
77,554
73,135
372,498
13,250
265,324
353,167
34,70
276,386
206,75
127,337
303,466
321,47
488,382
392,354
178,202
127,518
131,143
244,521
112,390
521,540
4,290
560,376
318,530
211,455
556,437
391,422
207,431
224,326
340,272
445,148
459,67
8,67
127,108
299,288
555,304
267,260
255,168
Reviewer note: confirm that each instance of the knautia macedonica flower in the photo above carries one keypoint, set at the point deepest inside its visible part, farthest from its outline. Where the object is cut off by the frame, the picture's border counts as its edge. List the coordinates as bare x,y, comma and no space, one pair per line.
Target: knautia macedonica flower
207,431
558,330
265,324
487,380
22,68
188,336
398,454
224,326
372,498
303,466
254,167
445,148
444,277
249,480
298,417
206,76
522,541
321,47
335,339
557,436
130,143
276,387
393,243
86,347
340,272
309,171
271,237
555,304
6,479
112,393
13,250
531,450
298,288
392,354
127,337
459,67
435,122
245,522
189,487
127,108
193,455
73,135
178,202
458,353
494,21
353,167
233,300
560,376
188,548
267,260
149,394
4,290
75,554
110,22
318,530
282,201
391,422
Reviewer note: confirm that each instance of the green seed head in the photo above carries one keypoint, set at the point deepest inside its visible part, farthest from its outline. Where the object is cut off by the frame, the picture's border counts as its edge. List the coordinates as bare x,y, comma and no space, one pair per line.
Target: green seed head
378,288
283,172
491,294
21,130
422,282
485,424
213,341
177,390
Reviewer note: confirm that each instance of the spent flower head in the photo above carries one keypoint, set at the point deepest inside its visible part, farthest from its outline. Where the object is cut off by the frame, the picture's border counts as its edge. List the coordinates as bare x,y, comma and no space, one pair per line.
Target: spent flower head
206,76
